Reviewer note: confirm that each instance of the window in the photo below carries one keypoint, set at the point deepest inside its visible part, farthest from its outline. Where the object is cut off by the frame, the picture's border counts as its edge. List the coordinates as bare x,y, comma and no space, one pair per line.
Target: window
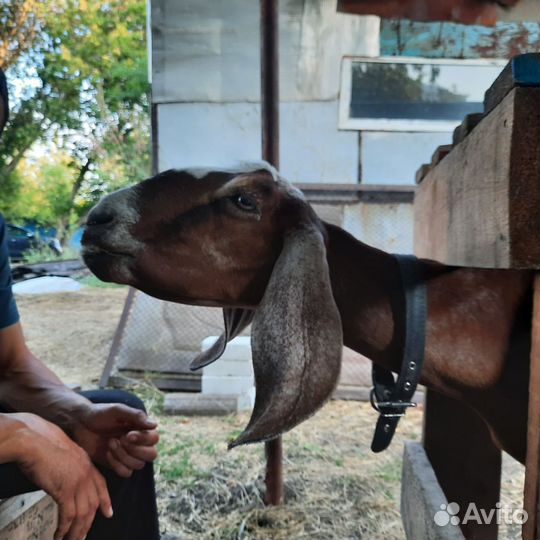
412,94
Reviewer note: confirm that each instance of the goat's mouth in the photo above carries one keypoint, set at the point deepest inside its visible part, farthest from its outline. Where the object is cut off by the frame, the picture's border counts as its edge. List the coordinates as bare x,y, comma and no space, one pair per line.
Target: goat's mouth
108,264
96,251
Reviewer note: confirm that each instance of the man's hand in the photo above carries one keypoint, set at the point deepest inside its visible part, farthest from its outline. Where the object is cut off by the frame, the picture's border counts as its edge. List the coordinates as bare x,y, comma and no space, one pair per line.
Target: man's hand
117,436
52,461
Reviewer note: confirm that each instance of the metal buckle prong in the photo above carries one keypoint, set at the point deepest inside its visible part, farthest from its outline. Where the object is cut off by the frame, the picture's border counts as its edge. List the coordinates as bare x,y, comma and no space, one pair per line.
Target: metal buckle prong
379,405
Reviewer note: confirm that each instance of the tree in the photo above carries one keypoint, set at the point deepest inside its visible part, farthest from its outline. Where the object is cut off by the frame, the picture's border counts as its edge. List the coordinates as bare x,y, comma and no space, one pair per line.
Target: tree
19,22
46,190
87,94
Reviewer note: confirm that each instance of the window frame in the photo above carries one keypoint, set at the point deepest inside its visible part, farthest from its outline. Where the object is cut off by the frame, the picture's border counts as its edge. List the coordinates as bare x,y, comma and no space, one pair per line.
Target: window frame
345,122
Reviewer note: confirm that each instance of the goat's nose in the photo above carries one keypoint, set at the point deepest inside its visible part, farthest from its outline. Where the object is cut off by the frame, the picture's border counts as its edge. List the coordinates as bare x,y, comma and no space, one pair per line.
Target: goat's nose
100,216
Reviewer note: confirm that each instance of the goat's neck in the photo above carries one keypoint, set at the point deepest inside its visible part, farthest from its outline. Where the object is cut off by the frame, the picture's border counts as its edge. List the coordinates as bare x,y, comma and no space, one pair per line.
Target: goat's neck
367,289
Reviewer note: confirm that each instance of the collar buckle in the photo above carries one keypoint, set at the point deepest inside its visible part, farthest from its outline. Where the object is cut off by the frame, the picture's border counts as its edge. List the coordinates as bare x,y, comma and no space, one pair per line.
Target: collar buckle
390,409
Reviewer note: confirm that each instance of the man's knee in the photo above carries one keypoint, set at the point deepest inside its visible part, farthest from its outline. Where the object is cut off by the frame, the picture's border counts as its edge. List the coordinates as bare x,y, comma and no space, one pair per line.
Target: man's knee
115,396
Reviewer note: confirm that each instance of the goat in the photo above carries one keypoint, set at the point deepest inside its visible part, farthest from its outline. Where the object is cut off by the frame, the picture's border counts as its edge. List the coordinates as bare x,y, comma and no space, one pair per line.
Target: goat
248,241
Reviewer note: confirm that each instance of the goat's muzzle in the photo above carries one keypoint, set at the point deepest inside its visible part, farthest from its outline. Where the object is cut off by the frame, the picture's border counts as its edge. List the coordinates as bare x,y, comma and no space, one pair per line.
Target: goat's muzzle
109,247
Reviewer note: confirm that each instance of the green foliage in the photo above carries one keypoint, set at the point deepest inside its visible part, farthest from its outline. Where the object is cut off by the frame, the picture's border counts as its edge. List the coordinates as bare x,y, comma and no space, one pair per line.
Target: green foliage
93,281
44,191
80,87
19,20
175,459
46,254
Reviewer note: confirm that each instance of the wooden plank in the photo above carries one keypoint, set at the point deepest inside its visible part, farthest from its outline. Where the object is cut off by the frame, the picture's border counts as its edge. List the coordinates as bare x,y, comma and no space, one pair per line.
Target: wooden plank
480,206
355,188
400,37
465,460
468,124
531,529
163,381
422,499
522,70
462,11
422,171
440,153
199,404
29,516
349,193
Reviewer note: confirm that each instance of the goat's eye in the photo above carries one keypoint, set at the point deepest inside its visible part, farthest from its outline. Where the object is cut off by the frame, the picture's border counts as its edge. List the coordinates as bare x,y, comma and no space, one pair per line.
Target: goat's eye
245,203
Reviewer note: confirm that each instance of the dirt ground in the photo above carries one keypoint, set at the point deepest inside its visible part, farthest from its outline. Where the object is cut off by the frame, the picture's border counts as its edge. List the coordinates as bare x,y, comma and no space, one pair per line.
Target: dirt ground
335,487
72,332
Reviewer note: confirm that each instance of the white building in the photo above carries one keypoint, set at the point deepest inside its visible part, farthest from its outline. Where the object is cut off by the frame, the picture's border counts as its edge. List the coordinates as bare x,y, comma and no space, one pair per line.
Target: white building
206,87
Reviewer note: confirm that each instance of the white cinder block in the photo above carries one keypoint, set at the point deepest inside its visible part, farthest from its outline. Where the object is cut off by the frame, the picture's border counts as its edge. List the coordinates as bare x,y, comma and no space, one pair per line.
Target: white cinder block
238,349
226,385
246,401
229,369
232,374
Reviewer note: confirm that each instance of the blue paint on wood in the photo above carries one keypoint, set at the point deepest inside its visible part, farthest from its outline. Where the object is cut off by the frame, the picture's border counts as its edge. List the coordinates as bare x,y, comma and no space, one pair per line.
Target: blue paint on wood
450,40
526,69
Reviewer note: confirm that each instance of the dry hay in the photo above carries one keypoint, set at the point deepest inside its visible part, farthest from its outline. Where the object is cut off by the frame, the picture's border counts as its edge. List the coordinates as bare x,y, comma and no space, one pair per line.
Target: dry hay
335,487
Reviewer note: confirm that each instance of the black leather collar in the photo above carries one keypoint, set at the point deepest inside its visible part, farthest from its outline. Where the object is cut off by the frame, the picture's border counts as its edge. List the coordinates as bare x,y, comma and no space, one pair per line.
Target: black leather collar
390,397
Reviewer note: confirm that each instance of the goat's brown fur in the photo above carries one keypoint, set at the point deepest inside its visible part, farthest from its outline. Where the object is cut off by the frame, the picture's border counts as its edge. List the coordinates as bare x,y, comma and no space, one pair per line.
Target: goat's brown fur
199,248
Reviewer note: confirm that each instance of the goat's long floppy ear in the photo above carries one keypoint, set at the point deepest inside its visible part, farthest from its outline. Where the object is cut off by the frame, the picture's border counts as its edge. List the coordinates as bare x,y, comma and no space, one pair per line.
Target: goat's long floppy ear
235,319
296,339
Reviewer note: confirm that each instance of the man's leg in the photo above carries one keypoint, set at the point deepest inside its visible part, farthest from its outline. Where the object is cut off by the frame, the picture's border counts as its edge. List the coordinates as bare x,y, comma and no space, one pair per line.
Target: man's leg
13,482
133,499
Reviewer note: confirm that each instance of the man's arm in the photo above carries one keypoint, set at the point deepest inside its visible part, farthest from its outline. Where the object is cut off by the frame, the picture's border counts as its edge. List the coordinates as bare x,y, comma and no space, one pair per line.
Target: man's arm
114,435
53,462
26,384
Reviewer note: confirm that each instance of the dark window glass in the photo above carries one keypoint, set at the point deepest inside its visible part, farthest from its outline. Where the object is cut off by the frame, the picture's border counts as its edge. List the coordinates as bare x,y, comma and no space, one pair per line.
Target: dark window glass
418,91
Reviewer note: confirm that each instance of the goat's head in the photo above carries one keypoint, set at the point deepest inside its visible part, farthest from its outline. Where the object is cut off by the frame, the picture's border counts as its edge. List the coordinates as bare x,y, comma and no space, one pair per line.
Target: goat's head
245,240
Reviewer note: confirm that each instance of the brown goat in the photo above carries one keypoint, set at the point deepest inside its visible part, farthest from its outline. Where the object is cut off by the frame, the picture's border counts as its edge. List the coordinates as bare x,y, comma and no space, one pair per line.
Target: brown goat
246,240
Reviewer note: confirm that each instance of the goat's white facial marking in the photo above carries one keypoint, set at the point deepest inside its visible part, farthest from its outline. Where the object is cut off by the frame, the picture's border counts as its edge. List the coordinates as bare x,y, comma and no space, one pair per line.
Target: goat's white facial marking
239,168
248,167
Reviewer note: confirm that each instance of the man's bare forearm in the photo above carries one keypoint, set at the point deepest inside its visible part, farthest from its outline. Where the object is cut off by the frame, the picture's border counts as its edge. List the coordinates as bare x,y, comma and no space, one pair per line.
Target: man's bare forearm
27,385
10,438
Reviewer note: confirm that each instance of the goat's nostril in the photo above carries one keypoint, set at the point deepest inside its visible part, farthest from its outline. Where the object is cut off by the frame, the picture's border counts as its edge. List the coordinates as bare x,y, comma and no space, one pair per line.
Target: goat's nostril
100,217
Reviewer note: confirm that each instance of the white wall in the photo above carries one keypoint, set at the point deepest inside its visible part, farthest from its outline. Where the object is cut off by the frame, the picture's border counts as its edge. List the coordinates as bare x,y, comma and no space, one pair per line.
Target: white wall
206,83
208,50
394,158
312,149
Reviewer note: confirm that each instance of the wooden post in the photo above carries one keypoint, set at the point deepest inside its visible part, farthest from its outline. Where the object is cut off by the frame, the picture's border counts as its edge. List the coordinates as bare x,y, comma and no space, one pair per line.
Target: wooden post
465,460
31,515
532,478
270,152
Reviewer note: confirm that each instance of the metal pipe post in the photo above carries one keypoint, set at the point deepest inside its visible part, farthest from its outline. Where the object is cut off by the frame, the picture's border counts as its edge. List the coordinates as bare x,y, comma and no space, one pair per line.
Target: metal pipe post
270,152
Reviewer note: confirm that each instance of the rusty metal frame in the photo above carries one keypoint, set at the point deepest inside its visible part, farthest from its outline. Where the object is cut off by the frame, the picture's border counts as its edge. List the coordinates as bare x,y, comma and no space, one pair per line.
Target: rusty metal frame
118,335
269,24
485,12
354,193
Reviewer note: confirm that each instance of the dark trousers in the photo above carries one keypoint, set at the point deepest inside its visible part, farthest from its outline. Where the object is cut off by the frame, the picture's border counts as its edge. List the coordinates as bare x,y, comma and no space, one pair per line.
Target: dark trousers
133,499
